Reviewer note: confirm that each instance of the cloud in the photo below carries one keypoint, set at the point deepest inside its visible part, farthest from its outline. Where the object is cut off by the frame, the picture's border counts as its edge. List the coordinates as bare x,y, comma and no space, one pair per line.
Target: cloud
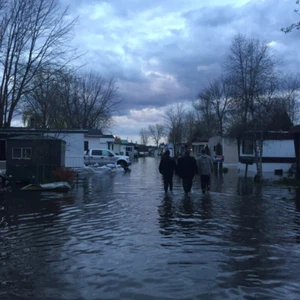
163,52
129,126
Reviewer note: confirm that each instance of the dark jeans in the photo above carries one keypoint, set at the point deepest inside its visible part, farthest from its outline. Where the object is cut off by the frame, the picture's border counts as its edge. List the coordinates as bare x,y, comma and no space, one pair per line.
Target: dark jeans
187,183
205,183
168,183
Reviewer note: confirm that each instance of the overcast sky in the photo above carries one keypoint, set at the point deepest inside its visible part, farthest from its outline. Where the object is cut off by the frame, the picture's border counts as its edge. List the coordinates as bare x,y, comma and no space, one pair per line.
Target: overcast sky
162,52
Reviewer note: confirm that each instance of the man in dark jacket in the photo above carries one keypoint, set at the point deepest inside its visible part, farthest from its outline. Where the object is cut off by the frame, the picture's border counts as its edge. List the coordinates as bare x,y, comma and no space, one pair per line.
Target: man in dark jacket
186,169
167,167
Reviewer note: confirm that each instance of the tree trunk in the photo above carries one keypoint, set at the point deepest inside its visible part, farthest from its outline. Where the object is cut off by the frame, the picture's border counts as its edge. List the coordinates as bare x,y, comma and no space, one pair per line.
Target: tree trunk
258,156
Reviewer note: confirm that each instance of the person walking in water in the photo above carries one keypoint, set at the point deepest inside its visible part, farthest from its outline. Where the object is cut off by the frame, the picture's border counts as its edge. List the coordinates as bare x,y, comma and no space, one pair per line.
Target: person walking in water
167,167
186,169
205,169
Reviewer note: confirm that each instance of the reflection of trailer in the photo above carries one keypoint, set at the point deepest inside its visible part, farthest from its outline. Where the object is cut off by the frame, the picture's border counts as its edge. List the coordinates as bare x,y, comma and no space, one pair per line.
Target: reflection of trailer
219,158
170,147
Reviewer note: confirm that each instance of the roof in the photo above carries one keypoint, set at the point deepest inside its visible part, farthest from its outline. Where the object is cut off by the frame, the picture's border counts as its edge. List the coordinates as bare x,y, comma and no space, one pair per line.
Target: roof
200,140
271,135
106,136
34,137
94,132
28,130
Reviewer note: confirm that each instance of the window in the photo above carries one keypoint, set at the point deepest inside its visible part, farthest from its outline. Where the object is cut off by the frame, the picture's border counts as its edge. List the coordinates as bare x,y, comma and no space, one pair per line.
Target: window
247,147
21,153
106,153
97,152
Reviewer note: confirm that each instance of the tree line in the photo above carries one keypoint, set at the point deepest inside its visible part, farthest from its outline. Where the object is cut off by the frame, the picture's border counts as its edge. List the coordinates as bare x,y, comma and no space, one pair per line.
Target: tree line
38,79
251,95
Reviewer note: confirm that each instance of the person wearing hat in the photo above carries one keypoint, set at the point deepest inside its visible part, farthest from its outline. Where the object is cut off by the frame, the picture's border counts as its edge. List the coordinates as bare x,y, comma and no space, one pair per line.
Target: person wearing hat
167,167
186,169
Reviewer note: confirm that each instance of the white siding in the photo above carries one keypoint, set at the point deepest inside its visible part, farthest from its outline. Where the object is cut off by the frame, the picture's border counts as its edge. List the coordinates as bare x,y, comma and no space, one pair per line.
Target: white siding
117,148
94,142
74,148
267,167
276,148
283,148
273,148
98,143
230,149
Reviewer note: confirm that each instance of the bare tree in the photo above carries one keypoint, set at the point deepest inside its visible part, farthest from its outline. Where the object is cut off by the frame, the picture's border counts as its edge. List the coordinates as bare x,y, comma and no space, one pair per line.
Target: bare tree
294,25
288,95
43,102
93,103
250,66
88,98
33,34
144,134
190,127
156,132
204,106
213,103
175,117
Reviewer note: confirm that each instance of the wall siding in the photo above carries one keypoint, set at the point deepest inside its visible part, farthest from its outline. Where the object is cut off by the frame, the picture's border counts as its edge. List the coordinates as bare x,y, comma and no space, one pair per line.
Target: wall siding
277,154
74,148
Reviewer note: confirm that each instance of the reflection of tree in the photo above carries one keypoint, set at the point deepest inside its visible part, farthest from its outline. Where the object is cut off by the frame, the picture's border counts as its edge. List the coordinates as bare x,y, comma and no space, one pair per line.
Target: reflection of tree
244,186
297,215
252,236
31,241
22,203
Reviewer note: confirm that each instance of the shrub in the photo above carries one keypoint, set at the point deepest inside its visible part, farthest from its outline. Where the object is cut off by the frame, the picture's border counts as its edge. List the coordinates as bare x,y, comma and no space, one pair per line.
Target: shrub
64,174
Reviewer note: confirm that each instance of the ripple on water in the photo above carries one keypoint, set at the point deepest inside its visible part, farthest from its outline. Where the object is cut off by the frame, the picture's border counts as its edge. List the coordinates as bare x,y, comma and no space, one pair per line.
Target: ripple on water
119,237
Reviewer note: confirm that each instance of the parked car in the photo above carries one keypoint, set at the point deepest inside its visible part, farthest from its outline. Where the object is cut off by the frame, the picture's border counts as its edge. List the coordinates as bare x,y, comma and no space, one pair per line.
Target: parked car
104,156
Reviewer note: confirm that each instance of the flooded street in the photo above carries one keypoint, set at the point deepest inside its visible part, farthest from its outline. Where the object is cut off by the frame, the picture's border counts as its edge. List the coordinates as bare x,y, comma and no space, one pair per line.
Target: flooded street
117,236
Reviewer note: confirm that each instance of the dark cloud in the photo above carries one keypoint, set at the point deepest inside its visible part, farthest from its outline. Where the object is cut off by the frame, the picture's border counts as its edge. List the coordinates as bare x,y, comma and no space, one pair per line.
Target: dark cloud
162,52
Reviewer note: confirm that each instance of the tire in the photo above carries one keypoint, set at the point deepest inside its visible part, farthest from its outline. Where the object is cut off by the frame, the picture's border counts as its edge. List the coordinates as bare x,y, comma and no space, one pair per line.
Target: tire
122,163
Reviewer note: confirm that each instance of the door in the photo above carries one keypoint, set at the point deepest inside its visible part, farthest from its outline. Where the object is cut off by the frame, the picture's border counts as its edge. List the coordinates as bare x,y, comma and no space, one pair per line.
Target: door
2,150
99,157
110,156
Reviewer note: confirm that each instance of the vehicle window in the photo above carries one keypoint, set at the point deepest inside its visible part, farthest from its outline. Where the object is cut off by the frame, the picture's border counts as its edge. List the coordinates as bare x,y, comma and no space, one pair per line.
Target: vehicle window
97,152
106,153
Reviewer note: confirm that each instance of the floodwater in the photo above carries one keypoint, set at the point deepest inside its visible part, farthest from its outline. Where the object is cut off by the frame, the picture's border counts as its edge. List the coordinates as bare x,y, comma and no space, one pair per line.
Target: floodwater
117,236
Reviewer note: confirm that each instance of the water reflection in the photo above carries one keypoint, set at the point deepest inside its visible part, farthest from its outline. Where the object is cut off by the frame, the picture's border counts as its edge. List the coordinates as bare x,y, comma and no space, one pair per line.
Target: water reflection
118,236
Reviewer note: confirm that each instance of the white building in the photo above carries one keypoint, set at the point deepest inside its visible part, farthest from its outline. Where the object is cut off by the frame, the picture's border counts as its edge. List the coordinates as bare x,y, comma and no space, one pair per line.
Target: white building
74,139
95,139
74,145
229,149
278,152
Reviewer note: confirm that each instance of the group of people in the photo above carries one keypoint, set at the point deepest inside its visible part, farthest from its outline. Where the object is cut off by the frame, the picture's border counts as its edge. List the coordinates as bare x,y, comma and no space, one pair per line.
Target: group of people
186,168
